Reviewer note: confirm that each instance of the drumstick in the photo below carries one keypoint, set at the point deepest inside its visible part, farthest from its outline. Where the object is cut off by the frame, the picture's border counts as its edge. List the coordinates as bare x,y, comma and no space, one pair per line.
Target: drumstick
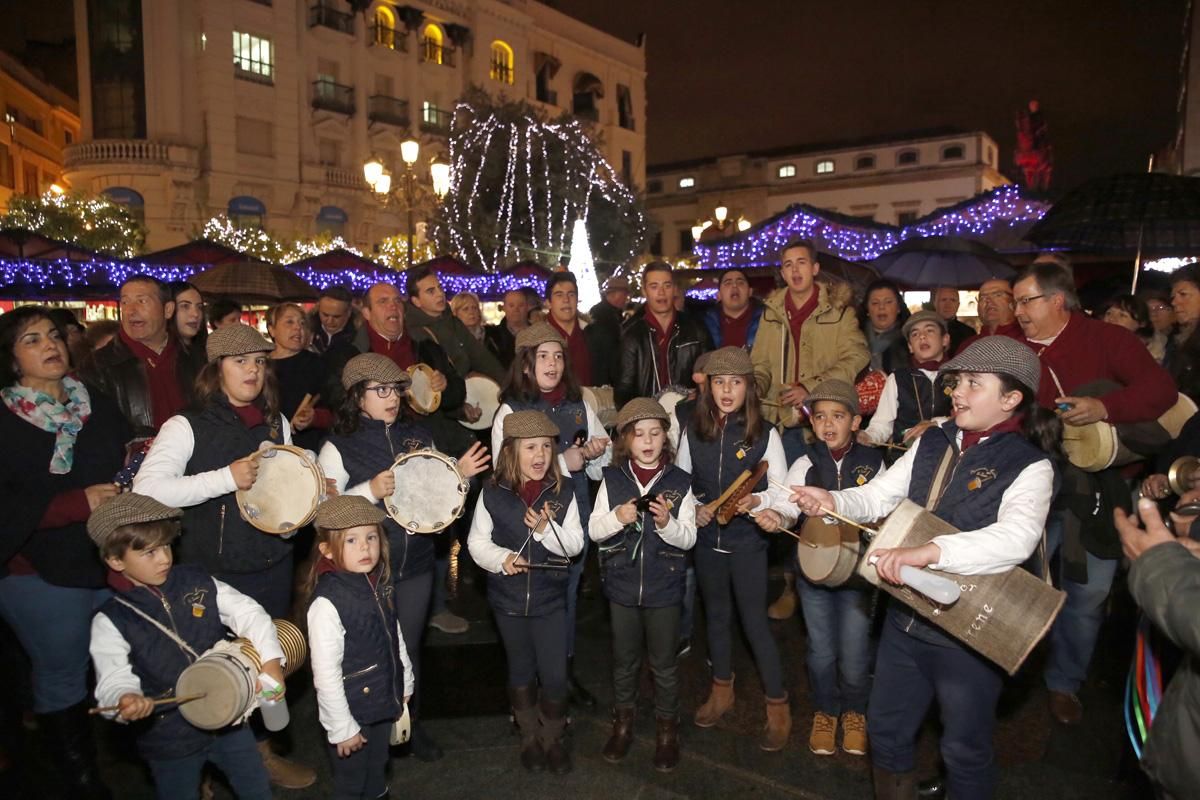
793,534
162,701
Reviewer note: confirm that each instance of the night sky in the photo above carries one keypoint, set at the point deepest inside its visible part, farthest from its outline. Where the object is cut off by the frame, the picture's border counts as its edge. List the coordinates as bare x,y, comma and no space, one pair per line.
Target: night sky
730,76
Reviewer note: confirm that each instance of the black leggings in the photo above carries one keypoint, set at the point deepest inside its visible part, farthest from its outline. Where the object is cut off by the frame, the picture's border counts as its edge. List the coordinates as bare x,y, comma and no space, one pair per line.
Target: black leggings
362,775
746,574
655,633
536,648
412,596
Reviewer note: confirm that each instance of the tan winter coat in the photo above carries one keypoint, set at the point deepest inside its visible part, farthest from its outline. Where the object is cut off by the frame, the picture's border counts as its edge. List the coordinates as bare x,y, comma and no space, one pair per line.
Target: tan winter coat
831,346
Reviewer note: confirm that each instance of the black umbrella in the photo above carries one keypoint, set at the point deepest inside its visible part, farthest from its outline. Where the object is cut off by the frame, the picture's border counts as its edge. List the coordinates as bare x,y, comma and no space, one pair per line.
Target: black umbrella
253,282
1149,211
931,261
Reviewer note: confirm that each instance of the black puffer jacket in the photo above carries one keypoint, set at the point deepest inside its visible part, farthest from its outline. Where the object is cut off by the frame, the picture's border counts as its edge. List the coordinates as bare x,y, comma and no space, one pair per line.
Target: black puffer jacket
639,377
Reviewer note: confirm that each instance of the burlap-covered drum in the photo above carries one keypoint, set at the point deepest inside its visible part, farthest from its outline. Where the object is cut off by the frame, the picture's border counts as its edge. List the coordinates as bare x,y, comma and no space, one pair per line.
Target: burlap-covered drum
421,395
483,392
828,551
603,403
430,491
1002,617
286,492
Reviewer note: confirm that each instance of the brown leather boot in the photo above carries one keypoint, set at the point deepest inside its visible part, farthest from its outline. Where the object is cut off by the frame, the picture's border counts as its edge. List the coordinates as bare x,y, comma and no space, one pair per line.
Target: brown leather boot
720,700
779,724
619,742
894,785
554,720
785,605
283,772
666,744
524,705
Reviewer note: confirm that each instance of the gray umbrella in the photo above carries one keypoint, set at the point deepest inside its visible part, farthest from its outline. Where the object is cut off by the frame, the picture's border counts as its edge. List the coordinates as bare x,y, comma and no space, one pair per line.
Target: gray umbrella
925,263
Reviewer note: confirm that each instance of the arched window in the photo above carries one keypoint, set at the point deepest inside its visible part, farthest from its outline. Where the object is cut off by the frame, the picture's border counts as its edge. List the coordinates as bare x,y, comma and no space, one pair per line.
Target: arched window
432,42
247,212
907,158
588,91
825,166
502,62
128,199
864,162
953,152
332,220
385,27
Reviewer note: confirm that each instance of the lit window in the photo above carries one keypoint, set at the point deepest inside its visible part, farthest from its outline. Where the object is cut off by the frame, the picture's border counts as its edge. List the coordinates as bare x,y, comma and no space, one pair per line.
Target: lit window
864,162
786,171
252,58
687,183
385,27
432,44
502,62
825,166
907,157
953,152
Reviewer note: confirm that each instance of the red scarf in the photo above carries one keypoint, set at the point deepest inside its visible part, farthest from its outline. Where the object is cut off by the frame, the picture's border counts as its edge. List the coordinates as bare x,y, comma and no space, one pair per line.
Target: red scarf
661,337
796,319
399,351
736,330
1010,425
326,565
932,366
840,452
644,474
555,396
530,490
251,415
581,358
162,384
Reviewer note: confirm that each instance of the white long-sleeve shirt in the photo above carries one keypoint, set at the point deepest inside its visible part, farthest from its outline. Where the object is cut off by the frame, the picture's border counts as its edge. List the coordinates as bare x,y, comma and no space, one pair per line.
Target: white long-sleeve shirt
593,468
162,472
883,421
110,651
994,548
774,456
327,646
797,475
679,532
330,459
491,556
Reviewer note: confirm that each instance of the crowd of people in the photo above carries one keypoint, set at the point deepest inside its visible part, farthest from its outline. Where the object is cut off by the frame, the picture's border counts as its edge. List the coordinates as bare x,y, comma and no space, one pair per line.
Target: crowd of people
129,442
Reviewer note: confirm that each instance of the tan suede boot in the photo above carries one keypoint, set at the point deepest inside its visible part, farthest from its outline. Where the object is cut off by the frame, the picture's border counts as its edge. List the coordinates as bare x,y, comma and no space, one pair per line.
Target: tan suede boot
284,773
720,700
785,605
779,725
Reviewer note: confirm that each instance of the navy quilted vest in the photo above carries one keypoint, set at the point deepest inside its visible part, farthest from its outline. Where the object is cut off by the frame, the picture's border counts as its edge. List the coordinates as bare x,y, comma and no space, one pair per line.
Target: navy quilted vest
716,465
919,399
539,591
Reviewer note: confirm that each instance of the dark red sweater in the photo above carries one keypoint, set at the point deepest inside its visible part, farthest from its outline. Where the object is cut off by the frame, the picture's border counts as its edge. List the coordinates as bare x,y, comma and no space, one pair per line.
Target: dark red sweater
581,357
1089,350
399,351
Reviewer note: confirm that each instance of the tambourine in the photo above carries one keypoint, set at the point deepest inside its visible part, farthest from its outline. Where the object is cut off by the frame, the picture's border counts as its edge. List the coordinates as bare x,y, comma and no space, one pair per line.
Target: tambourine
421,394
430,491
285,495
483,392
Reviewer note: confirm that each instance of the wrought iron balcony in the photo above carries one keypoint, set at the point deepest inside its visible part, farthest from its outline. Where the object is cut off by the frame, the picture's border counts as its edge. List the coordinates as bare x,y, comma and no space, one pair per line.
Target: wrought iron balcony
436,53
332,96
325,17
500,71
436,120
389,38
392,110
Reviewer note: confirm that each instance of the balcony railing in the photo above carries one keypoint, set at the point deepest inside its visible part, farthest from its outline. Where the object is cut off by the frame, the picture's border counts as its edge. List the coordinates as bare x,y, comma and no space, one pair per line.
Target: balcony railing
592,114
340,176
435,53
128,151
332,96
389,38
436,120
501,71
325,17
392,110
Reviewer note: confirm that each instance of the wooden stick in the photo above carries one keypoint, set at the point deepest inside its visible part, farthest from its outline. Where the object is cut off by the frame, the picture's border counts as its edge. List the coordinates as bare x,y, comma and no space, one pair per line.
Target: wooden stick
188,699
305,403
894,446
826,512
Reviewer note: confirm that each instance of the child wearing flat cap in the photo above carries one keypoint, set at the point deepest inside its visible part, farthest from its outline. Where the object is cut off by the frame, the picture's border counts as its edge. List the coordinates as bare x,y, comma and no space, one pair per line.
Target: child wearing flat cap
161,619
986,472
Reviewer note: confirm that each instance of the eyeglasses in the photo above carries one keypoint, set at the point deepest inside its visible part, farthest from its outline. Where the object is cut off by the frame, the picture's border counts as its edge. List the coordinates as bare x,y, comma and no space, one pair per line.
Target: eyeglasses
384,391
1024,301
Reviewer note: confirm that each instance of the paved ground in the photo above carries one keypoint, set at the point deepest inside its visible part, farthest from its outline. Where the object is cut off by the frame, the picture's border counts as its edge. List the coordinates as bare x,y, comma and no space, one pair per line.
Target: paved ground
465,704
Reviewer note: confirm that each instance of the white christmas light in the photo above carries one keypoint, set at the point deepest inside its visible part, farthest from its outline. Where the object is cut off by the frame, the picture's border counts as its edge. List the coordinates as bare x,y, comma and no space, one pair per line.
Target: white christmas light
583,267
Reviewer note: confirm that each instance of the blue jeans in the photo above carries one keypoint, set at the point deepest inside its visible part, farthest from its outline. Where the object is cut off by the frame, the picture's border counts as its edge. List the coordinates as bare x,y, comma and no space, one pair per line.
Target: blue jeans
909,674
1073,637
839,651
54,625
234,753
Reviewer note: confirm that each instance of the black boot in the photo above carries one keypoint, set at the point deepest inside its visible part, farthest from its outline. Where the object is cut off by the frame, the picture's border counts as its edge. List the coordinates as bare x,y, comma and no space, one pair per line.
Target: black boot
932,789
554,720
525,711
74,751
423,747
894,785
578,695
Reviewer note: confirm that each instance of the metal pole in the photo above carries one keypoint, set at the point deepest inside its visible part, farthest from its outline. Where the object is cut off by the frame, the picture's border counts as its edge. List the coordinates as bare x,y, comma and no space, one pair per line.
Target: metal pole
408,199
1137,261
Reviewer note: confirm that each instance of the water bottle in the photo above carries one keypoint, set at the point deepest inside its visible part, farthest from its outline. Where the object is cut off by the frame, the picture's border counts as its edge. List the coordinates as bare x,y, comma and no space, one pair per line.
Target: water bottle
272,704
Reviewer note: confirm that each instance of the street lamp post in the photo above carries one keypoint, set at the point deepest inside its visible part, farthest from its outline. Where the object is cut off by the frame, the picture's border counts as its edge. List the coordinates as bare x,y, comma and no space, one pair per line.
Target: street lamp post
708,229
377,176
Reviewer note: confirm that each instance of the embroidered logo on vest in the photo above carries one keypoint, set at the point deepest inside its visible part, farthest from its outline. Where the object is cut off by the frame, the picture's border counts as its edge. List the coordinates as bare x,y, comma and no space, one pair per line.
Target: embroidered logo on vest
554,507
862,474
980,476
579,416
196,599
671,498
412,444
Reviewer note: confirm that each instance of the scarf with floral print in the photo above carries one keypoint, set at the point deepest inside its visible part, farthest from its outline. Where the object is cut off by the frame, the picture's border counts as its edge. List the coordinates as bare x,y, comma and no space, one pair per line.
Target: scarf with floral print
42,411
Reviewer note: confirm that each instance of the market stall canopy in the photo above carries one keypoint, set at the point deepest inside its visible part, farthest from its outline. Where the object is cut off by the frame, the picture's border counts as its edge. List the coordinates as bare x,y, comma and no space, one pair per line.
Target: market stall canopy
198,251
22,244
338,258
253,282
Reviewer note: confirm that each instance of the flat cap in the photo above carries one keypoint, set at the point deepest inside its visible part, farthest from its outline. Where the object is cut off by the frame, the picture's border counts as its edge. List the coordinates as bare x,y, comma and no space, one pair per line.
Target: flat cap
236,340
836,391
538,334
729,361
348,511
373,367
640,408
924,315
701,360
998,354
528,425
126,509
615,283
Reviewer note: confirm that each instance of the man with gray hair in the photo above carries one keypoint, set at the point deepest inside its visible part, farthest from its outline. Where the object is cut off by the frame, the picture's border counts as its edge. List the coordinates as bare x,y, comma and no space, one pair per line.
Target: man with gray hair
1091,371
